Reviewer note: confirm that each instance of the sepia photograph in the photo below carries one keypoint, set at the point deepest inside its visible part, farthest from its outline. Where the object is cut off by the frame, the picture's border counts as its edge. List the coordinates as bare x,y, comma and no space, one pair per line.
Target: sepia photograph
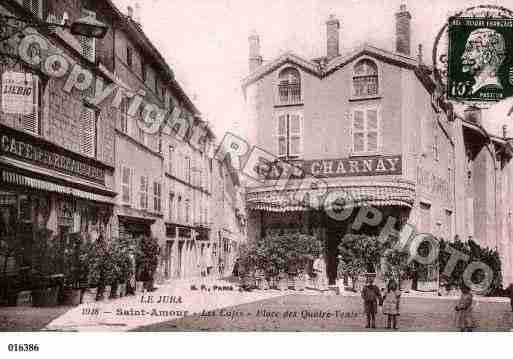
214,166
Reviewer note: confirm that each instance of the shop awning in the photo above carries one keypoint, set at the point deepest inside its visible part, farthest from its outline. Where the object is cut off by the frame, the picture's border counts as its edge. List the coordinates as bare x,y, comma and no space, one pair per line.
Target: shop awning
20,180
380,194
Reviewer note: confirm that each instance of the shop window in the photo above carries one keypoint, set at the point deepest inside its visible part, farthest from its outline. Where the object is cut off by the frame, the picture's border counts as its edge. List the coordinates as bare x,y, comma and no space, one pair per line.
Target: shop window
126,185
365,130
143,193
157,197
289,86
365,79
289,135
88,132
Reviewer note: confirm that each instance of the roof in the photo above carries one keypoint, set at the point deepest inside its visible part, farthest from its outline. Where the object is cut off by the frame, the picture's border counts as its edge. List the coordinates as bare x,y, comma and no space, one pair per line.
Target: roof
135,30
332,66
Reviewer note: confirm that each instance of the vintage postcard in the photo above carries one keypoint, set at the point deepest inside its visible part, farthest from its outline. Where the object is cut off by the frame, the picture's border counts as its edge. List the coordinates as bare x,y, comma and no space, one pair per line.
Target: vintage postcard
262,166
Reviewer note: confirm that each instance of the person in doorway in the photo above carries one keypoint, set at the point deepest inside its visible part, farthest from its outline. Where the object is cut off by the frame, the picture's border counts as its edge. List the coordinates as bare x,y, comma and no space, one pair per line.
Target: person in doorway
464,317
391,302
371,295
319,267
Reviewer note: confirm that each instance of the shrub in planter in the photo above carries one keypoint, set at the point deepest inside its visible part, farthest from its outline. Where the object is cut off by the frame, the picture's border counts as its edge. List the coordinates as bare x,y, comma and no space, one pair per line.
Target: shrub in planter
122,267
147,259
75,269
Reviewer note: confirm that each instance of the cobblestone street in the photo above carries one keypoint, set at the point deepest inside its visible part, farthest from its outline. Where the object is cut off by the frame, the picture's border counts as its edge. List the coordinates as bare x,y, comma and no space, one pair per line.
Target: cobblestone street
417,314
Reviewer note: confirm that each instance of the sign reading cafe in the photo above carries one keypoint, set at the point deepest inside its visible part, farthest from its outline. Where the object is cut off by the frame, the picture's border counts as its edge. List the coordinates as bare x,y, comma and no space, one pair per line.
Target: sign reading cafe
18,146
342,167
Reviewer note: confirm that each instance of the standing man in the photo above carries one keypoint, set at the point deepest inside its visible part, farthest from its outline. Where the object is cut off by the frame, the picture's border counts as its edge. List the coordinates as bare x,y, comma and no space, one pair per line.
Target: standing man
319,267
371,295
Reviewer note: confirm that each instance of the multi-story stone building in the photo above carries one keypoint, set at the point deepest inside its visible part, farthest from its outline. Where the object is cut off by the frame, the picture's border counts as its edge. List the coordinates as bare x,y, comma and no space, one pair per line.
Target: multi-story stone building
85,160
57,152
368,125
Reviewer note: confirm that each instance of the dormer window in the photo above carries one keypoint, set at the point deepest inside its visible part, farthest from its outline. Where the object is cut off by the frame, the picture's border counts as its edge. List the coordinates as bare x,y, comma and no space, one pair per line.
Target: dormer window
289,86
365,79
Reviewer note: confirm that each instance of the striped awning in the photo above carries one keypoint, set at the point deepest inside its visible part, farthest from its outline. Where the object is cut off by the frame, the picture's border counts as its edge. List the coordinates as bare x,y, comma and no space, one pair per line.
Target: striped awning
20,180
377,194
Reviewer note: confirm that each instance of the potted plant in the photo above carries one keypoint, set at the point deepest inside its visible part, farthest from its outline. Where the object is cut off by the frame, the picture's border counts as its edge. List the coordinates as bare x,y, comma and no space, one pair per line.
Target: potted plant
122,268
45,291
147,257
73,270
93,261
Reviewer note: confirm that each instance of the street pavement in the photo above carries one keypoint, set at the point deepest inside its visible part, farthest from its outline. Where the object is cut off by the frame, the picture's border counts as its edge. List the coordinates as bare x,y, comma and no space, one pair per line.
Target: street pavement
219,306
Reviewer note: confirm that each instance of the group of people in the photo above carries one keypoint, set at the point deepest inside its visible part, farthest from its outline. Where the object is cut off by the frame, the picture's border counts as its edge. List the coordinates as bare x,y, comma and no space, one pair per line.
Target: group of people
390,301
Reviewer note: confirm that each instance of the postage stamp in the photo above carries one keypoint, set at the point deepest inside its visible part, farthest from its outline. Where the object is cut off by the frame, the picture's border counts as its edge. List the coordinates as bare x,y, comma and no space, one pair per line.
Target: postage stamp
480,59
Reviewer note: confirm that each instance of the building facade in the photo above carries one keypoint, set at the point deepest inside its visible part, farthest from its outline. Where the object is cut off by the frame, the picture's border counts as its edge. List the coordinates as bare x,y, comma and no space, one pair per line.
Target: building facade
369,126
57,157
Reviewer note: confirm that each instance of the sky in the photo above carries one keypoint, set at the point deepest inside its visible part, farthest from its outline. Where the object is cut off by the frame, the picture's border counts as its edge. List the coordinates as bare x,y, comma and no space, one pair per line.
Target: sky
206,41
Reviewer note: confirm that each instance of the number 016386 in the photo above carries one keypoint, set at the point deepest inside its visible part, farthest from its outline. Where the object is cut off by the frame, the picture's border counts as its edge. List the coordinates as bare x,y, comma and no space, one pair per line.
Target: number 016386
23,347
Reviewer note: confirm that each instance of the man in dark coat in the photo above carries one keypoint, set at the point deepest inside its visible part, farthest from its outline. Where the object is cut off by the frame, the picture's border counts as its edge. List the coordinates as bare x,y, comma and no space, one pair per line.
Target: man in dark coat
371,295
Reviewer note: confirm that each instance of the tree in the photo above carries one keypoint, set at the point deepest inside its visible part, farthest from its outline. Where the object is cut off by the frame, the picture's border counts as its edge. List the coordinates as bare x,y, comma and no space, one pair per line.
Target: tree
359,254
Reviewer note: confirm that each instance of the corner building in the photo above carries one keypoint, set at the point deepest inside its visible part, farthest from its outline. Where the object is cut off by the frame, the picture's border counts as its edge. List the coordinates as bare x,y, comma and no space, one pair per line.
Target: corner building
365,123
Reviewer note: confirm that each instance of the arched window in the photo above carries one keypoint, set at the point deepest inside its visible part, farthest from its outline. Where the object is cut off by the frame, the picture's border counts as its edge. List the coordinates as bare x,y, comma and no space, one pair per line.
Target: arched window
365,79
289,86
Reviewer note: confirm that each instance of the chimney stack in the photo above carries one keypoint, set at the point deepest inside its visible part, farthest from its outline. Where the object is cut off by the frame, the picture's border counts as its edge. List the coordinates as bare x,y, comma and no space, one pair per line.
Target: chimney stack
332,37
130,11
137,12
255,60
402,30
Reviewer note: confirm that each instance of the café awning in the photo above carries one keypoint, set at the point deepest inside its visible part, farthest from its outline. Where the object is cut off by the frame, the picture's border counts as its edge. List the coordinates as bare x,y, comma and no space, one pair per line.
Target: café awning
20,180
377,194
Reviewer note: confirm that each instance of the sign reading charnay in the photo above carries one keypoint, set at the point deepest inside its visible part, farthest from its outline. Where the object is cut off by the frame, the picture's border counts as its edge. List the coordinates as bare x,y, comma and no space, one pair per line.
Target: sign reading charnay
342,167
480,59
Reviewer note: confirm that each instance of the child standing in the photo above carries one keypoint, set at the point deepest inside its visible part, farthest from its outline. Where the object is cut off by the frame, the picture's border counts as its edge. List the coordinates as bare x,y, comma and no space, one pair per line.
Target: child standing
391,304
370,296
464,317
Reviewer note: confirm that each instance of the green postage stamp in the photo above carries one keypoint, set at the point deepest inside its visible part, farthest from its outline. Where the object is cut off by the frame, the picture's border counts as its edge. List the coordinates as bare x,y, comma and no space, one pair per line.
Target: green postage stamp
480,59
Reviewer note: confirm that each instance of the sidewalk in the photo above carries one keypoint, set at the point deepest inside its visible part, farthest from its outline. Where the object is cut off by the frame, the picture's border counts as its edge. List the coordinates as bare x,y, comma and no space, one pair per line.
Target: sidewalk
130,312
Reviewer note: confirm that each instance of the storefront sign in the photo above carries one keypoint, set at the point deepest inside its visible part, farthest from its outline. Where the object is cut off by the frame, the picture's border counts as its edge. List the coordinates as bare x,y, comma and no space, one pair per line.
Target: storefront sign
17,93
342,167
22,147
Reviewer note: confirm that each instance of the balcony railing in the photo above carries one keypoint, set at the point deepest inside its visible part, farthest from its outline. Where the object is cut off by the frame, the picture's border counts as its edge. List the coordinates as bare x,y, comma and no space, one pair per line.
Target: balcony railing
289,93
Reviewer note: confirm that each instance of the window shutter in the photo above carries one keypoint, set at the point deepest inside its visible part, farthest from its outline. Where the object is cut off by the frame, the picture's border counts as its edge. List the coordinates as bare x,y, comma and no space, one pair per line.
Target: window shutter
88,44
30,122
88,138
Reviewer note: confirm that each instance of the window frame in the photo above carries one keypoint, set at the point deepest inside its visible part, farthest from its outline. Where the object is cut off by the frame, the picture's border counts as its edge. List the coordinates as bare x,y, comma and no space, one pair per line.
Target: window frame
157,196
365,130
171,209
126,186
288,135
279,101
354,76
143,193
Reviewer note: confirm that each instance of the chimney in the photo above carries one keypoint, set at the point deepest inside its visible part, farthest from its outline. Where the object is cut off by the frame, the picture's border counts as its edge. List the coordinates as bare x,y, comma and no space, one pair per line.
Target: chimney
130,11
332,37
137,12
402,30
255,60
